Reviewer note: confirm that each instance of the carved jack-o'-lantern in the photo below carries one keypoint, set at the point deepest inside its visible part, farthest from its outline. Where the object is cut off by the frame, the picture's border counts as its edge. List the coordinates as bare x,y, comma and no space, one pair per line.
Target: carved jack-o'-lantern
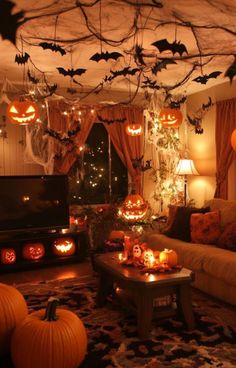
168,256
148,257
134,129
137,251
8,255
33,251
64,247
134,208
233,140
170,118
22,112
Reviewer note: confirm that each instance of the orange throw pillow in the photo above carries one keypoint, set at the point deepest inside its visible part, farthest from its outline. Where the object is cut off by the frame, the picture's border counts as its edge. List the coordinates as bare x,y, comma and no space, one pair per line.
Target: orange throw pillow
205,228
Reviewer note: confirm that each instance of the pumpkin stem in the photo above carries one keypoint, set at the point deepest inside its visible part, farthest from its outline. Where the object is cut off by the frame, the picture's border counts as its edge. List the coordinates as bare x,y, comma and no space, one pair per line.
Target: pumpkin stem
50,313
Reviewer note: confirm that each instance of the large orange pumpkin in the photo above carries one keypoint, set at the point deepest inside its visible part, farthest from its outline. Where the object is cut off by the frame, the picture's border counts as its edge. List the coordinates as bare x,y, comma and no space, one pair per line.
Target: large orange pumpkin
134,208
13,310
233,140
170,118
134,129
64,246
22,112
53,339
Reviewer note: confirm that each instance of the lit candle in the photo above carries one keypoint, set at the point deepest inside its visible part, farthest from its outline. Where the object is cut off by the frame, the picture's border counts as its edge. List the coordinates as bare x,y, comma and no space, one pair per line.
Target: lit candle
151,260
120,256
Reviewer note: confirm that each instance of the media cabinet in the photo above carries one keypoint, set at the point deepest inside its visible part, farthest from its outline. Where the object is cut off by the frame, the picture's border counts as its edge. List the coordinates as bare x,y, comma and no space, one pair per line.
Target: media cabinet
25,245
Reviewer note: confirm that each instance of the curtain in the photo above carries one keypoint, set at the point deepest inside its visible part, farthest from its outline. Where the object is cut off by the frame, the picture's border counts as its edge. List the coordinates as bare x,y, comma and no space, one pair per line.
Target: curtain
225,125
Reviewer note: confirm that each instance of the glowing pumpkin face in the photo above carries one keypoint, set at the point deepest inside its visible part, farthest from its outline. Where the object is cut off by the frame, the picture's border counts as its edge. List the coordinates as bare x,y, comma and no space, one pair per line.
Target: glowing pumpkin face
8,256
134,208
22,112
33,251
134,129
64,247
170,118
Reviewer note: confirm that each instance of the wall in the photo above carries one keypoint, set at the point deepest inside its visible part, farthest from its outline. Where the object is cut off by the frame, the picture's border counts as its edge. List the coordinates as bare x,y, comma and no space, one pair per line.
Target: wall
12,160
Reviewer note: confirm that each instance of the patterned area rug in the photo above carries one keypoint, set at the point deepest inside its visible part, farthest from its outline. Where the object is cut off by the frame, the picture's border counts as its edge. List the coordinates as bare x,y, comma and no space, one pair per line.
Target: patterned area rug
112,331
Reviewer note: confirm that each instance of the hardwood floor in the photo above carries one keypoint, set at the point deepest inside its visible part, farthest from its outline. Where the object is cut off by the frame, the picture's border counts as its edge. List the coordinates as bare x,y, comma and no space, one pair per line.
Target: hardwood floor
48,273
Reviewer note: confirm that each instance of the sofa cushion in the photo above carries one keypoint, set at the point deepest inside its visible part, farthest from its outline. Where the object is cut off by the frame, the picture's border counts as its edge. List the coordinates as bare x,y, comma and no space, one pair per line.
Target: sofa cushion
227,239
205,227
180,228
226,207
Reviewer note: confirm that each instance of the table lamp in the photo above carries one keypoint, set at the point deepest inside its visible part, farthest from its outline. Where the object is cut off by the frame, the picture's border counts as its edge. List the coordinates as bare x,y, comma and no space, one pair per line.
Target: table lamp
186,167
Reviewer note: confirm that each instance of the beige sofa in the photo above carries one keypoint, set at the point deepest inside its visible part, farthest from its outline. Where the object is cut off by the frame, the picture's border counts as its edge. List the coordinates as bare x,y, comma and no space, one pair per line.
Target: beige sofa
215,268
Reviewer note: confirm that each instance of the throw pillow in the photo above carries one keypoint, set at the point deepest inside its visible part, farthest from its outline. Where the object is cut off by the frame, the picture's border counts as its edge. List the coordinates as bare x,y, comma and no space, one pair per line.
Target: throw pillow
227,239
226,207
205,228
180,228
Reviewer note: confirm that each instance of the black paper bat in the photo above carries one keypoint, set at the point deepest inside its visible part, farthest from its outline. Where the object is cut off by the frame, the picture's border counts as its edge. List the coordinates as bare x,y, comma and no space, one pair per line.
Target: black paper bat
9,22
50,88
161,65
203,79
105,56
22,58
152,84
72,91
126,71
138,56
197,124
176,104
231,71
71,72
106,121
137,164
208,104
65,138
174,47
32,79
53,47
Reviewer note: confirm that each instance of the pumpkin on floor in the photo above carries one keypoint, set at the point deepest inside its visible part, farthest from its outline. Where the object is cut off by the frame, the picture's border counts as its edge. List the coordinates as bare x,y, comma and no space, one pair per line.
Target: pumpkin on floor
55,338
13,309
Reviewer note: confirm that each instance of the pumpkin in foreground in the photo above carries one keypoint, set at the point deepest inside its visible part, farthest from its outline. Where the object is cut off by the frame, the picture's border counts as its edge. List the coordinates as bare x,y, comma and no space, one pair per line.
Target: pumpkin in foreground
13,309
55,338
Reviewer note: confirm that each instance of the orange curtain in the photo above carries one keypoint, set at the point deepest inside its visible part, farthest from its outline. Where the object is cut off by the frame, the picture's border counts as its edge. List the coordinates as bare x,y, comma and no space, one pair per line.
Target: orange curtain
225,125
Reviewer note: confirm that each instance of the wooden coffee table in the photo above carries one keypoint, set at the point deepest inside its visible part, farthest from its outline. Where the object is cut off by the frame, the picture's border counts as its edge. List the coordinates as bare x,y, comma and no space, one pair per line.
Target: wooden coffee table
144,289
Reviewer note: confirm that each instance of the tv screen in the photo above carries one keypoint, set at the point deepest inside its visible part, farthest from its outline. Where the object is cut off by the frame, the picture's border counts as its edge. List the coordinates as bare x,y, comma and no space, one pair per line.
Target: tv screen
33,202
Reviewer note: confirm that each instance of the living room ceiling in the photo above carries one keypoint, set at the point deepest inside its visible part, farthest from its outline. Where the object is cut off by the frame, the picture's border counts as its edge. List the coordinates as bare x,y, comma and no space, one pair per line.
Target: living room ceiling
164,45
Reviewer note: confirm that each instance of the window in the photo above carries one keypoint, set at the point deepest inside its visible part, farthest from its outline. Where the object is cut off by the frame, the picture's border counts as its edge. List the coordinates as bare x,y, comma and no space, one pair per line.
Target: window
98,175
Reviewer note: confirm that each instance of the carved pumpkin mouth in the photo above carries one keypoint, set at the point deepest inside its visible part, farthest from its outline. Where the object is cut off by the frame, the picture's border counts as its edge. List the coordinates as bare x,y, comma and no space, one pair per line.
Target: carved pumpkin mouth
169,119
64,248
24,119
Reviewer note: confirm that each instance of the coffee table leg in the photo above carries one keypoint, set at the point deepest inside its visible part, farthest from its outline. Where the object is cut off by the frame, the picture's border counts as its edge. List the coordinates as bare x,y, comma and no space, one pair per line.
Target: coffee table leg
184,302
104,288
144,305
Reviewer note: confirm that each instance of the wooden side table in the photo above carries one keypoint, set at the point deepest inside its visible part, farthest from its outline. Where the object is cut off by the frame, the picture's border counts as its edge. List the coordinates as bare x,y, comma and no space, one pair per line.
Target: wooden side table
143,289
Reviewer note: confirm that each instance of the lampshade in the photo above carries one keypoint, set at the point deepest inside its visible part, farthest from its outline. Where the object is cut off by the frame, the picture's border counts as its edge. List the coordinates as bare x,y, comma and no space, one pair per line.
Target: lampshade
186,167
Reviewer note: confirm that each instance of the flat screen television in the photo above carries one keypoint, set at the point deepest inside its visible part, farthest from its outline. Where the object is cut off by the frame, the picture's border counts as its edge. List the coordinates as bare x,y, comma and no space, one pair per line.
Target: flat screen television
33,203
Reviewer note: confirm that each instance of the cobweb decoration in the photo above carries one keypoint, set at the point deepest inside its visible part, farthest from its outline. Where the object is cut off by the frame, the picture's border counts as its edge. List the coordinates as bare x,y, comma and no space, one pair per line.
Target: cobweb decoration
39,147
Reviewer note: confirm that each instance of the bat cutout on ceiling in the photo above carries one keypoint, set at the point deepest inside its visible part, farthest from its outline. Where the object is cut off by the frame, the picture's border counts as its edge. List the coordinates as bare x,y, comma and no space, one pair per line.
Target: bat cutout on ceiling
71,72
50,88
9,22
65,138
208,104
161,65
231,71
152,84
53,47
71,91
31,78
138,56
197,124
123,72
105,56
107,121
22,58
203,79
174,47
176,104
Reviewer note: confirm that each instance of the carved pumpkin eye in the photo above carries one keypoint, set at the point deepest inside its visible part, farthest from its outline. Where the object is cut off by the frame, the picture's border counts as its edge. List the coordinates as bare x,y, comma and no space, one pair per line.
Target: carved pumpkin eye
30,109
13,109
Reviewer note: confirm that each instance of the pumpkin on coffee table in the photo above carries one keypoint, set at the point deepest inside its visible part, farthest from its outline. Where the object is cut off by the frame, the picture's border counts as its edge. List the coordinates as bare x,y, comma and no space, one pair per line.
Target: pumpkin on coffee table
169,257
55,338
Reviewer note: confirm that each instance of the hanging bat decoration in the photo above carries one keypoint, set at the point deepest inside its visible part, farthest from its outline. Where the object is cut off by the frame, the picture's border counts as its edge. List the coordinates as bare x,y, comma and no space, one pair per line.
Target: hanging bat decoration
22,58
176,104
208,104
197,123
161,65
9,22
231,71
105,56
31,78
53,47
123,72
174,47
72,91
152,84
106,121
50,89
203,79
137,164
65,138
138,56
71,72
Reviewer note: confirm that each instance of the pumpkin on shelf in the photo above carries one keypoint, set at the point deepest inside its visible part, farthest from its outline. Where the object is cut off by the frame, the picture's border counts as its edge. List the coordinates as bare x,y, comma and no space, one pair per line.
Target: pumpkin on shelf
169,256
33,251
64,246
13,310
170,118
8,255
134,129
55,338
22,112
